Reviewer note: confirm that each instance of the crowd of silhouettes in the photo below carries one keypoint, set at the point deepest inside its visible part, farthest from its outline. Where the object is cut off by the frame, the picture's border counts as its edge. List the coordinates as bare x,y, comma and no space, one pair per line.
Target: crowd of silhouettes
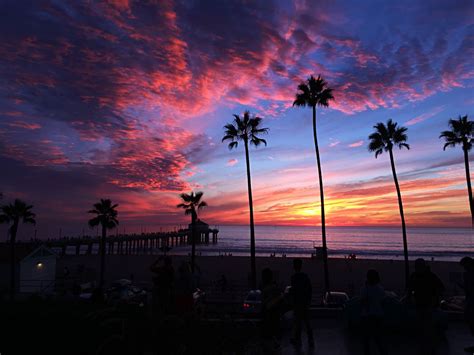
173,293
424,293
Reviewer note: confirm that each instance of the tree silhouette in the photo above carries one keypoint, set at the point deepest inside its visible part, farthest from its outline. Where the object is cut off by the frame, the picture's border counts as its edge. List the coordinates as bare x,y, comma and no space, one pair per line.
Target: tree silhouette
385,138
462,133
247,129
192,204
106,216
311,93
13,214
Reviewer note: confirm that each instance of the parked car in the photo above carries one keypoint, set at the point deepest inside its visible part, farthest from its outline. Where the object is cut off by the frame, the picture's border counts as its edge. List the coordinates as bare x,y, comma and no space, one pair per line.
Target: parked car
454,304
253,303
123,291
335,299
84,290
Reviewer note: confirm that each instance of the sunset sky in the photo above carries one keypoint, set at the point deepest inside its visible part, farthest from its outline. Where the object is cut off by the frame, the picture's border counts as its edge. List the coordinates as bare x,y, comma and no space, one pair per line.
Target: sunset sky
127,101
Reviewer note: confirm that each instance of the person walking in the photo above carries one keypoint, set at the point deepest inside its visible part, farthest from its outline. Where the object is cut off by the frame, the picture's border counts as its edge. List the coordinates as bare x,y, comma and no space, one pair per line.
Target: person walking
184,288
426,288
301,292
372,295
163,281
468,286
271,305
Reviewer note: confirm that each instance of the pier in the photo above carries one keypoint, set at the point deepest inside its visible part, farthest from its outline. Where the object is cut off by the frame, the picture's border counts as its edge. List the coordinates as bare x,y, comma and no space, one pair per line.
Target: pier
128,244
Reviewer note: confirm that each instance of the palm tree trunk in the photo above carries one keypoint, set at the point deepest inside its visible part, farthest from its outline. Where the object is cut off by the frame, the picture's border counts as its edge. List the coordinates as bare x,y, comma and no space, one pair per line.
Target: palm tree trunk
402,216
193,240
323,215
469,188
102,257
13,231
253,267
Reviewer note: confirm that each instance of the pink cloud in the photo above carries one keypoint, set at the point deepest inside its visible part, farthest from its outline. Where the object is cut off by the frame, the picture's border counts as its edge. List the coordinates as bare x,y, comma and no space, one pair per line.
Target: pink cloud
424,116
25,125
232,162
356,144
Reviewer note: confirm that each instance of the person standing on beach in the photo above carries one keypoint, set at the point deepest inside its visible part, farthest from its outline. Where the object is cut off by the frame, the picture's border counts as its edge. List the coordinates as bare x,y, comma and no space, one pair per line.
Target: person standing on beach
300,293
271,304
372,296
184,288
426,288
163,280
468,285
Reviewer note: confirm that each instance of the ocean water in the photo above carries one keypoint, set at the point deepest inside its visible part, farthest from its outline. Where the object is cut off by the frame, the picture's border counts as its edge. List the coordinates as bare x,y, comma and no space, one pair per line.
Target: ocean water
366,242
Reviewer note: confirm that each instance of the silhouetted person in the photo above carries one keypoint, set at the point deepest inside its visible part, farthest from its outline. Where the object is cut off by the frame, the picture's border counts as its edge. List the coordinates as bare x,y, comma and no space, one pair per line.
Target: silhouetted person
426,288
163,280
301,299
184,289
271,300
372,295
468,286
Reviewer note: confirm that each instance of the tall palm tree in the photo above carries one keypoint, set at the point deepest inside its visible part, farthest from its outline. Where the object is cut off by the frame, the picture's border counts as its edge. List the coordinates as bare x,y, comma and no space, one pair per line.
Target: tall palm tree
462,133
247,129
192,204
385,138
311,93
14,213
106,216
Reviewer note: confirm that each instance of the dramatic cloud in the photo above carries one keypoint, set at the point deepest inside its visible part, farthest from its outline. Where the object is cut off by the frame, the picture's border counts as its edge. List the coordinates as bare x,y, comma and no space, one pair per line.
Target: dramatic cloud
128,98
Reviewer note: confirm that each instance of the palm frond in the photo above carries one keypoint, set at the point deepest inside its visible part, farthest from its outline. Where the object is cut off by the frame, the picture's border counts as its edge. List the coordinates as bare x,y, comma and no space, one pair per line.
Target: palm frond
245,128
461,133
313,92
94,222
106,214
193,202
233,145
257,141
16,211
386,136
198,196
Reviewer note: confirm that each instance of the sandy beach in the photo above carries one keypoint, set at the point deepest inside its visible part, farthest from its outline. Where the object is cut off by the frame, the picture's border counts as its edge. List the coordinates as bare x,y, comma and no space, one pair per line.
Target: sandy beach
346,275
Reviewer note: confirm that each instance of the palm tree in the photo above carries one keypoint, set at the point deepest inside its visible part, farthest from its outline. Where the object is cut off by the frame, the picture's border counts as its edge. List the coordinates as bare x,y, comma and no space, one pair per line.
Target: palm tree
247,129
15,213
462,133
385,138
315,92
106,216
192,204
